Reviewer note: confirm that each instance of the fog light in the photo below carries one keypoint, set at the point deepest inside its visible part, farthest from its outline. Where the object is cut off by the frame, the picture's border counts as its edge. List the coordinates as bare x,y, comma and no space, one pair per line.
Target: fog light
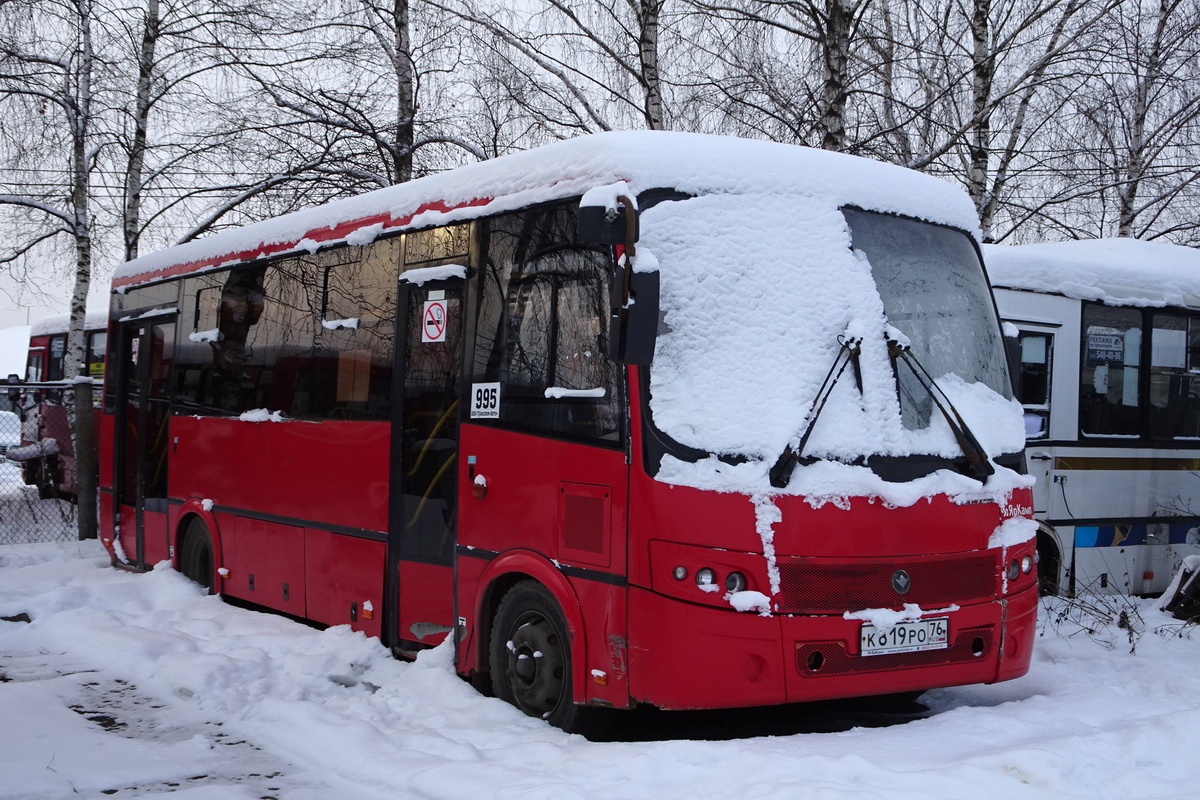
1014,570
736,582
679,573
705,577
1026,564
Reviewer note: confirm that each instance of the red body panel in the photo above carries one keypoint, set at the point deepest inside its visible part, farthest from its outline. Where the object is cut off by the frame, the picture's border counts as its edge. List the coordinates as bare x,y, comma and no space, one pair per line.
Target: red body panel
426,599
563,507
605,539
343,580
335,472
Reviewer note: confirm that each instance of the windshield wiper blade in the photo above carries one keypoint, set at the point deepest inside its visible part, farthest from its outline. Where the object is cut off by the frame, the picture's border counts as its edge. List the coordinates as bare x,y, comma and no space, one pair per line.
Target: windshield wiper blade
848,353
977,457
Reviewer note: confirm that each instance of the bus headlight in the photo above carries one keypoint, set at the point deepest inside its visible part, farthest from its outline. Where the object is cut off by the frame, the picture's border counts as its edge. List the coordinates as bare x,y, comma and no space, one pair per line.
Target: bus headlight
1026,564
1014,570
736,582
705,577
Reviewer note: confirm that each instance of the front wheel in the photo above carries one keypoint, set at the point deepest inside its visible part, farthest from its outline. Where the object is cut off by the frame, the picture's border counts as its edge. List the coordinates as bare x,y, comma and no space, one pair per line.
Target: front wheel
196,554
530,661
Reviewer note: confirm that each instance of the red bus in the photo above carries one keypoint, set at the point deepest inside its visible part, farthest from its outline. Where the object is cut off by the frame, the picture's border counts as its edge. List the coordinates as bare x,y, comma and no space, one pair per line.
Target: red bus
639,417
48,447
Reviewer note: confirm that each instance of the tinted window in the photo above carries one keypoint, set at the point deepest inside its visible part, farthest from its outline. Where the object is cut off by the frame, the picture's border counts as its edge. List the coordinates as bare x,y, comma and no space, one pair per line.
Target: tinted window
1110,401
311,336
542,329
1175,377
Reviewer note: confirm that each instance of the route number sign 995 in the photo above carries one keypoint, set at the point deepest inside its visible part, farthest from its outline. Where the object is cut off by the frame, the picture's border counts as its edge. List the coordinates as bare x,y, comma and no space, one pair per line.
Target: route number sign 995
905,637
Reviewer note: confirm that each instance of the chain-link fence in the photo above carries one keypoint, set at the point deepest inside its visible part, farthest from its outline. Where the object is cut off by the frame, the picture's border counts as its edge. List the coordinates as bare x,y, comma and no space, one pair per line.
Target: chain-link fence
38,470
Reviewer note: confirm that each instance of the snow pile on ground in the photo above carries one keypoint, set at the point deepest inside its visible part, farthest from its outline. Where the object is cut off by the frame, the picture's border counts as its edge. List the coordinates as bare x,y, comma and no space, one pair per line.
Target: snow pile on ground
140,685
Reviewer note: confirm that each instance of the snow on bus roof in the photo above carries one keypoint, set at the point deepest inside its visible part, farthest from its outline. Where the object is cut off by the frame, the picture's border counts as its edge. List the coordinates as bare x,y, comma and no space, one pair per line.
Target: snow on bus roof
58,323
693,163
1128,272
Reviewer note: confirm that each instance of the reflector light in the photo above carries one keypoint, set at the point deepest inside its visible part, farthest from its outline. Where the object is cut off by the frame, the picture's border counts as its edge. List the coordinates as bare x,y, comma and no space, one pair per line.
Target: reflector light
736,582
679,573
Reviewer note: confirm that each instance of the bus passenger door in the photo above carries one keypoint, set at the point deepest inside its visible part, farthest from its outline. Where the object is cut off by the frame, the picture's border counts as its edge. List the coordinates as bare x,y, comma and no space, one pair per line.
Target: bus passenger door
424,505
140,440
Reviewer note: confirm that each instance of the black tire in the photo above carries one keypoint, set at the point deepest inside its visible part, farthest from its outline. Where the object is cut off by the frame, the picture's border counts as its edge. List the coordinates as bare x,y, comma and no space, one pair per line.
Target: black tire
530,661
196,554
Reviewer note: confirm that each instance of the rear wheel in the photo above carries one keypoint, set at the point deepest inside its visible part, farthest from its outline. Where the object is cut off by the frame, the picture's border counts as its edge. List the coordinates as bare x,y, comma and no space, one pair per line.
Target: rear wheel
530,661
196,554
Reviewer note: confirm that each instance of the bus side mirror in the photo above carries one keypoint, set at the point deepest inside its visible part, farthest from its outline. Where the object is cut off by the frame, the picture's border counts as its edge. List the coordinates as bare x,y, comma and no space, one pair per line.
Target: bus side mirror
14,394
633,317
1012,353
633,326
599,225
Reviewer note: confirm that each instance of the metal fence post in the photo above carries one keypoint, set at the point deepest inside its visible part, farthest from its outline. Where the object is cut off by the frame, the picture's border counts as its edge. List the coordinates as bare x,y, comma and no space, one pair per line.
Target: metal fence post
86,472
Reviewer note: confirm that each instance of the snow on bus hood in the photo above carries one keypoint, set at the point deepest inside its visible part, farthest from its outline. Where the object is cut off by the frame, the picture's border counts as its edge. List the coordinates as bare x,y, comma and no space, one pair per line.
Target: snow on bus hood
749,337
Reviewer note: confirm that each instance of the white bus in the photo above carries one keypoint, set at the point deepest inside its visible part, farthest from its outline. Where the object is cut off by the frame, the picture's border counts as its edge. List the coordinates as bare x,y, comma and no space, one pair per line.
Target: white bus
1107,362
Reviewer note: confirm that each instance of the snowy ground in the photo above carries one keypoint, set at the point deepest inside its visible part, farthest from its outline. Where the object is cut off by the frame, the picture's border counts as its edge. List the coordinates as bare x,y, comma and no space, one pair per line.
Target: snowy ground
137,685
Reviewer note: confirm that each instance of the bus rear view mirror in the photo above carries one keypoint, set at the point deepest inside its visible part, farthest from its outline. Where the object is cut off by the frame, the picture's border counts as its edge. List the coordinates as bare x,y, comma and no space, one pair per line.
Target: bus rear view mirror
599,225
634,324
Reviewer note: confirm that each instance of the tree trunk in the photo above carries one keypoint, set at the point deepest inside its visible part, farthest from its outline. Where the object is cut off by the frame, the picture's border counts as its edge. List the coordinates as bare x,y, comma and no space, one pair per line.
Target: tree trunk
132,217
648,15
81,157
406,106
1148,74
835,52
979,146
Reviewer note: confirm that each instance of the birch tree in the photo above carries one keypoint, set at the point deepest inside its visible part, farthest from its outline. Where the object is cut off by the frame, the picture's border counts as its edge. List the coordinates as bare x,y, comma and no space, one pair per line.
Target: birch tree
591,65
48,63
1143,110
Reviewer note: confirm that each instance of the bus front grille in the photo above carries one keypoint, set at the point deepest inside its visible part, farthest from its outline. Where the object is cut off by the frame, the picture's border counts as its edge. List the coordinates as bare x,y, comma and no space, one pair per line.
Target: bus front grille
816,586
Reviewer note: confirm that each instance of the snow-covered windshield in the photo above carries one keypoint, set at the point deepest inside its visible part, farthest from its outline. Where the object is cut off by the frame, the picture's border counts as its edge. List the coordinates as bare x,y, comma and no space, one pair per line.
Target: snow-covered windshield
758,291
935,293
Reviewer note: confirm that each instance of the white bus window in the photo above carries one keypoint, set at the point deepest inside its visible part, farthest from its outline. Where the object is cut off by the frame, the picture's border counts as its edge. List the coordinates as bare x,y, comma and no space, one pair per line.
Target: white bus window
1174,390
1034,383
1109,402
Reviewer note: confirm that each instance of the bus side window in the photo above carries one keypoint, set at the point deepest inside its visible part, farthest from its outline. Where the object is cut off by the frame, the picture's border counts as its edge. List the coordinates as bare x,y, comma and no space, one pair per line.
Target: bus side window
1174,368
58,355
1110,400
542,328
557,375
1035,350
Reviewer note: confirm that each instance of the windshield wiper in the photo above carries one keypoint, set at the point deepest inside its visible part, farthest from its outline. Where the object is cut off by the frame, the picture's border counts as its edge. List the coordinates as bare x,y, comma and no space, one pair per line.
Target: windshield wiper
848,353
977,458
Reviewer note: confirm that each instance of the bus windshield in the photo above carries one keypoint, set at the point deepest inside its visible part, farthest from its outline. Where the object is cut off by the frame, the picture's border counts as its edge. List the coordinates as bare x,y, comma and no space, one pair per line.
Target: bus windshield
743,349
935,293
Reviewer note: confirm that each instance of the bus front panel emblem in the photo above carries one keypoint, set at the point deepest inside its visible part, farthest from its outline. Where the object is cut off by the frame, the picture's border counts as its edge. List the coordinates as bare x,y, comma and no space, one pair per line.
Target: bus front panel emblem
901,582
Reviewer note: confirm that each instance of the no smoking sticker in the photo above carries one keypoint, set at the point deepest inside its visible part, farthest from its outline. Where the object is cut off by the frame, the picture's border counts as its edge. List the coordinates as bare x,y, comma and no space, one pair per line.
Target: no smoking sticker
433,321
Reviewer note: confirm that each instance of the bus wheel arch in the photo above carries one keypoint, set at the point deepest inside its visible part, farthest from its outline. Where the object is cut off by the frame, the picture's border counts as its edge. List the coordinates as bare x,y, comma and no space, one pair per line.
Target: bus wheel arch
534,663
1049,567
500,578
198,547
